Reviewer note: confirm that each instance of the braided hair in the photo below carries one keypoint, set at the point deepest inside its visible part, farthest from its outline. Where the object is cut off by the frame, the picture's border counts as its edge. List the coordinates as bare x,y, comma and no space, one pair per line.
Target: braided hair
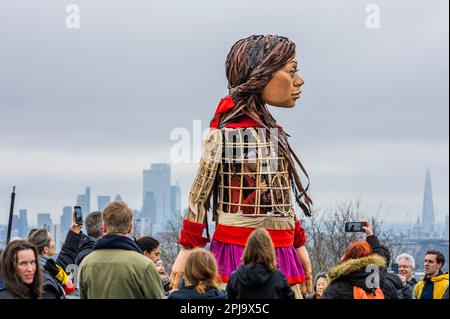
250,65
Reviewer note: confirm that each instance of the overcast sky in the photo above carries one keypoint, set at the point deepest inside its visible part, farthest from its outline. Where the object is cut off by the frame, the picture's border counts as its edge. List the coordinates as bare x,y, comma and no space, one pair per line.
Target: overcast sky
96,105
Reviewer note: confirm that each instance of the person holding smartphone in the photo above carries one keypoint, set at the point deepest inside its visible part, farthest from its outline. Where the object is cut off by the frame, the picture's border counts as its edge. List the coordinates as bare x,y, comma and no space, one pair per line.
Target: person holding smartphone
349,278
57,284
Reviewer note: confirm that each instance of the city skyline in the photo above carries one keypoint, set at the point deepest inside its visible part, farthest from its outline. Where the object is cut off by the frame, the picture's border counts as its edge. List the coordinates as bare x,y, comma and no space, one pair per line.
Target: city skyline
426,205
147,221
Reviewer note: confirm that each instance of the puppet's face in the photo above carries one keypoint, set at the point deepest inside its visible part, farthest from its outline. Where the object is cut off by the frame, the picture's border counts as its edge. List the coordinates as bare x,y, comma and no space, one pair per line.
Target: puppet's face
283,90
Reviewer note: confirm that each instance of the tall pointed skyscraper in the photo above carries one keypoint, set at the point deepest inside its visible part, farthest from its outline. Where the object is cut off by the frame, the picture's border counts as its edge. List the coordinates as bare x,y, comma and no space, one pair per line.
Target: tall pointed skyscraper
428,208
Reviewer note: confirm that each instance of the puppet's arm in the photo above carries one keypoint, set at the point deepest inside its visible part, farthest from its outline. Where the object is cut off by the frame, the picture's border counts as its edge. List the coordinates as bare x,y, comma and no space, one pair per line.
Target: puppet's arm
200,194
299,244
194,222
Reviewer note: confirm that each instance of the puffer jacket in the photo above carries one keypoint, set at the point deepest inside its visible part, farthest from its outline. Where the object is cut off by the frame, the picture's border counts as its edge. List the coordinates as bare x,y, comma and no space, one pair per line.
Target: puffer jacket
355,272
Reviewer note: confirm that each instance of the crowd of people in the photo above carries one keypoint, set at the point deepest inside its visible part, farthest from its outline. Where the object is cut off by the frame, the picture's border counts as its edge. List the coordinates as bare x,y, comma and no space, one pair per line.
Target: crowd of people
112,265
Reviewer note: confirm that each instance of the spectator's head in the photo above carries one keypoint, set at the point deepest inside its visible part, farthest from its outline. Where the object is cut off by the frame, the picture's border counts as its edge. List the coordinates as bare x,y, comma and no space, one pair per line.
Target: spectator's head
150,248
117,218
93,224
31,232
321,284
406,265
201,270
357,250
260,250
43,240
434,261
20,271
160,267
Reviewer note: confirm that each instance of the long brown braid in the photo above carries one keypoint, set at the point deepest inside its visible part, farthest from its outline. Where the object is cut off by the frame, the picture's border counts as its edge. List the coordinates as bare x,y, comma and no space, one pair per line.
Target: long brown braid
250,65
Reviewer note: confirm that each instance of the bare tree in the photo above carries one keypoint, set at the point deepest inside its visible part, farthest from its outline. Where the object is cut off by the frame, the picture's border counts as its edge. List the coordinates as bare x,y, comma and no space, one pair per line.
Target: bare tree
327,240
169,241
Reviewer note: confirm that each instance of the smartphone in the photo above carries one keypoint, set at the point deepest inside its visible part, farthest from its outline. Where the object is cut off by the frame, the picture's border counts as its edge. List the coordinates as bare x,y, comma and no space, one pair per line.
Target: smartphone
354,227
395,268
78,215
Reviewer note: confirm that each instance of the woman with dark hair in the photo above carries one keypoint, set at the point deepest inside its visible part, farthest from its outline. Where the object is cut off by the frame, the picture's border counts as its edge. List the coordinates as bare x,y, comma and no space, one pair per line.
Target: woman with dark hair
320,285
248,192
150,248
20,276
259,277
202,278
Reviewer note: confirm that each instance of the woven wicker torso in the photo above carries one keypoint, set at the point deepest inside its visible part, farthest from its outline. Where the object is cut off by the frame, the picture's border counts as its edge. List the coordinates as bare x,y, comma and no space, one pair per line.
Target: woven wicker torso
252,175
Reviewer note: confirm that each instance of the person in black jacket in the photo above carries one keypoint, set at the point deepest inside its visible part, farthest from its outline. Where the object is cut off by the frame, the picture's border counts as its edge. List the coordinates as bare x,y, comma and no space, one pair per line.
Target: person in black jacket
394,287
56,283
94,230
20,276
258,277
361,260
201,277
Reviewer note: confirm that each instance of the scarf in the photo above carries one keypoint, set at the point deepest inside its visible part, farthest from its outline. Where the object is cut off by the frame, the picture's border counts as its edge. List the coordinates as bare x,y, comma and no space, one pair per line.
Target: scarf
58,273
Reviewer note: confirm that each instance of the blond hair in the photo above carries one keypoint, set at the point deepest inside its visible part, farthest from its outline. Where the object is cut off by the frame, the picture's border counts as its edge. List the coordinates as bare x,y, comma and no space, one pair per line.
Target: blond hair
201,270
117,217
260,250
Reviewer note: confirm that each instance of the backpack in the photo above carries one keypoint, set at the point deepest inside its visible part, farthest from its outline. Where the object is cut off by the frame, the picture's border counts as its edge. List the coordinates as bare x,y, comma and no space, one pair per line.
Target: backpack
359,293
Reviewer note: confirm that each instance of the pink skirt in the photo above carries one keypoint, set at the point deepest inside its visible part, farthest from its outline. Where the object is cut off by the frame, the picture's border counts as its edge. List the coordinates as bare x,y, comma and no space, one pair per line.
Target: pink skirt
228,258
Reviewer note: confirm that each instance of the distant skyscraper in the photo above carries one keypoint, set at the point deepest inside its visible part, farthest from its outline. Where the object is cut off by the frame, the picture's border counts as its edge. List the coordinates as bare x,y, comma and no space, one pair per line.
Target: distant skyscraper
102,202
15,227
117,198
157,181
81,201
149,207
84,200
87,198
175,200
3,231
66,220
45,221
428,208
23,223
57,236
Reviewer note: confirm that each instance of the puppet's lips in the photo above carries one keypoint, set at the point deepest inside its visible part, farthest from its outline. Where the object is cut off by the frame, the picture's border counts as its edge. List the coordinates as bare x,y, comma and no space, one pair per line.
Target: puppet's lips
297,94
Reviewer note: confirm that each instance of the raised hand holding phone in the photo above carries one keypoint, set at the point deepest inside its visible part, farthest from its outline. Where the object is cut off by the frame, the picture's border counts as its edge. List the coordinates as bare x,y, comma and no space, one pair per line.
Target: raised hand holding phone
367,228
77,220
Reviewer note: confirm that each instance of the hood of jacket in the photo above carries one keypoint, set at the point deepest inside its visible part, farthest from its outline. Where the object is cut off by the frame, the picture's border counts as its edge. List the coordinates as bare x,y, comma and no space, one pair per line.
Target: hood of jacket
354,270
113,241
253,275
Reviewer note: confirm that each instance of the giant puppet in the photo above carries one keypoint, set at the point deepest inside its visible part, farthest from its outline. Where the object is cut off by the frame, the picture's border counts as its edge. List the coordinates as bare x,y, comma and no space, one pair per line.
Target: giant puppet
249,174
